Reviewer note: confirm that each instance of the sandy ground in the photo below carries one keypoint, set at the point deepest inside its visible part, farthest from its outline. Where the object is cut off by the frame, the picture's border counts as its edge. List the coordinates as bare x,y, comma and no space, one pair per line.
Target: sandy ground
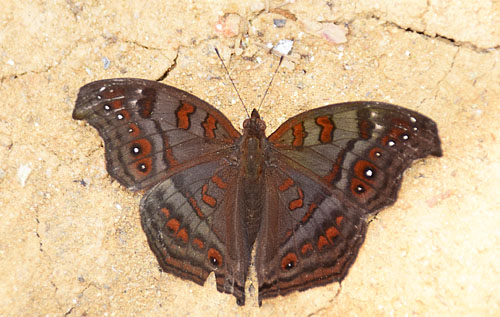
71,242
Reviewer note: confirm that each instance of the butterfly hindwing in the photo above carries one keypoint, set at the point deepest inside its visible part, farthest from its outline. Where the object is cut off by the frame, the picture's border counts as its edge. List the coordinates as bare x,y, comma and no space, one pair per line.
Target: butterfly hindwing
190,221
310,234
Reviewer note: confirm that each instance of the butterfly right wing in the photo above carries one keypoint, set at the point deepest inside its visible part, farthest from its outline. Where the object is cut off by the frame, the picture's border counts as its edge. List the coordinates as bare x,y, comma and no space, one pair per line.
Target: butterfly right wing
151,130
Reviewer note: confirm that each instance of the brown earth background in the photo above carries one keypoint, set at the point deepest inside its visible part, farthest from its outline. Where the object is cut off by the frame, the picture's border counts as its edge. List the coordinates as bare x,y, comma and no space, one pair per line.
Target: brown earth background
71,242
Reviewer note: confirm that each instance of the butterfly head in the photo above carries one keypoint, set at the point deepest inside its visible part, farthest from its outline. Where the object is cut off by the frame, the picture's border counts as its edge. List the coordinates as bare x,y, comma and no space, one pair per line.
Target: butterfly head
255,126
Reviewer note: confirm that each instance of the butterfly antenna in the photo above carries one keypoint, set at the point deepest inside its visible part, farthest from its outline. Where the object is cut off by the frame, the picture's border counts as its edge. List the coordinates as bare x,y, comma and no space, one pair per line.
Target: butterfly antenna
269,86
232,82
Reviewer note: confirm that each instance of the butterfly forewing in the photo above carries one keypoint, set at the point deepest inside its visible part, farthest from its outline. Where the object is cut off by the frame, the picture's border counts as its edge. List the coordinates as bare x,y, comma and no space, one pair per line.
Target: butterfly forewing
361,148
150,128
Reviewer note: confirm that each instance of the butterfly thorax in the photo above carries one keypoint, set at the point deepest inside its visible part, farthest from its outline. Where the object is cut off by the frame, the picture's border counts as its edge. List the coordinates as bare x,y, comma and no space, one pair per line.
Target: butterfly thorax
252,164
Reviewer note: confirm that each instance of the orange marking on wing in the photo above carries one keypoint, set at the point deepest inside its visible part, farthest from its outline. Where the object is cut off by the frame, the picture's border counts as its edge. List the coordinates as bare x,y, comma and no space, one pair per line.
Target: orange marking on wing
219,182
308,214
306,248
366,193
289,261
339,219
327,127
401,123
287,183
322,242
331,233
144,145
375,153
209,200
145,107
116,104
334,171
209,126
125,114
144,166
146,104
173,225
365,129
169,155
214,254
117,92
195,206
198,243
166,212
393,135
360,167
183,113
134,130
183,235
298,135
299,202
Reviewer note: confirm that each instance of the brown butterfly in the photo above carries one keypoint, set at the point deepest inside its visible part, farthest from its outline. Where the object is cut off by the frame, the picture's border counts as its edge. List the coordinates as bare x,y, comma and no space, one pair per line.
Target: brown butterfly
301,197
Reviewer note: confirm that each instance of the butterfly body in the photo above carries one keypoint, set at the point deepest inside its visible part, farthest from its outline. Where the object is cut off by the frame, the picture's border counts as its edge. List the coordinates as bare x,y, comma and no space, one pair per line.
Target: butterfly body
300,197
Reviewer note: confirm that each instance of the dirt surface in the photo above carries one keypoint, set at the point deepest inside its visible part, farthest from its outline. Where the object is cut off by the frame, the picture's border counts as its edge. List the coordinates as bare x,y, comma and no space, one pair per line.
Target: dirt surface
71,241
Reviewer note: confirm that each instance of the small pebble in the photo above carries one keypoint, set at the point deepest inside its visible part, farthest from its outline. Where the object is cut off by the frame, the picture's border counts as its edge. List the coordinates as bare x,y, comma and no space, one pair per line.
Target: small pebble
279,23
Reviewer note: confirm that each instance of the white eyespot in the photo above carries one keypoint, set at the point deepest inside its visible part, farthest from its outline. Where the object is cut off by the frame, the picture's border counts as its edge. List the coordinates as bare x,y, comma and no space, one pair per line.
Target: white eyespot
102,89
369,172
413,119
136,150
378,154
111,90
120,116
405,137
107,107
415,128
130,130
391,143
99,97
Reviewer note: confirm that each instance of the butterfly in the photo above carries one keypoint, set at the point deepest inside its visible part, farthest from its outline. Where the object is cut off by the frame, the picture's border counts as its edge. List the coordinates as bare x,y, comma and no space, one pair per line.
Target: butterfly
301,196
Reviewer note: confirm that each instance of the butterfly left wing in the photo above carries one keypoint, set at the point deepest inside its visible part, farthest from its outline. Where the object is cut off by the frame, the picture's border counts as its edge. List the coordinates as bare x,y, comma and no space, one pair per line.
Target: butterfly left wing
361,148
330,168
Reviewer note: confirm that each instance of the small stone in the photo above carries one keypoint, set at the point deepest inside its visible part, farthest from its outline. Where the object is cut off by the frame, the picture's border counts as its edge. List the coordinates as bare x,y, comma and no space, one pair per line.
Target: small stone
228,25
283,47
23,172
279,23
106,62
